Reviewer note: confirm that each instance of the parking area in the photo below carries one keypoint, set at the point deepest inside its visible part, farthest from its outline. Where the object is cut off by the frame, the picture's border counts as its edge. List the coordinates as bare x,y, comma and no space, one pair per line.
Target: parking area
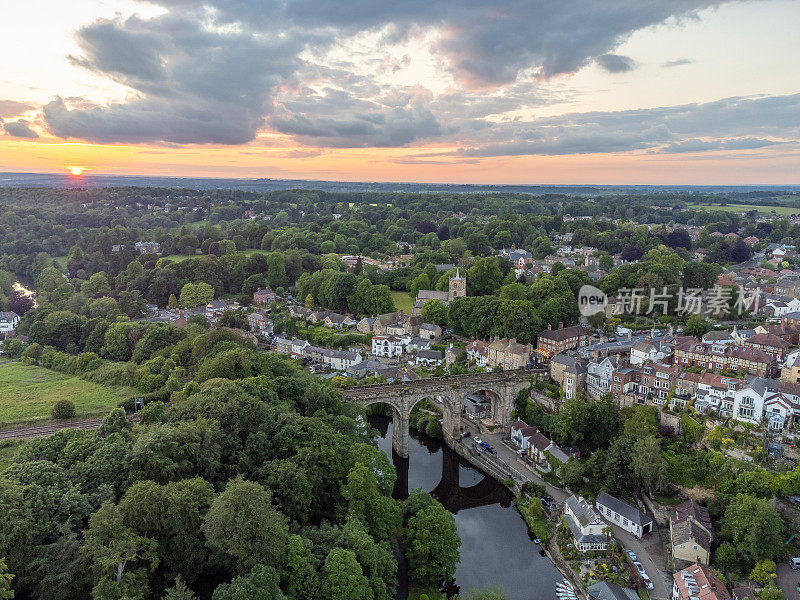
650,552
788,580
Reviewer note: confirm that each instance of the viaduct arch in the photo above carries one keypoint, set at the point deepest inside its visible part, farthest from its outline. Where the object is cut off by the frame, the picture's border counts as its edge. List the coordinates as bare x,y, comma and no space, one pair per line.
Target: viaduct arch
450,392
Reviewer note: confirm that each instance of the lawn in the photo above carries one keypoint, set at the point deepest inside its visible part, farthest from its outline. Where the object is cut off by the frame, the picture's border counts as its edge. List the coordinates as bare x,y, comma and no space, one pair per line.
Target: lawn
181,257
61,261
743,208
8,451
28,393
403,302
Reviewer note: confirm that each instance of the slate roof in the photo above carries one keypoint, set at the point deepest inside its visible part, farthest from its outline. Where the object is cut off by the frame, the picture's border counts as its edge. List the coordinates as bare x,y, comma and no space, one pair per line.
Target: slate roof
623,508
604,590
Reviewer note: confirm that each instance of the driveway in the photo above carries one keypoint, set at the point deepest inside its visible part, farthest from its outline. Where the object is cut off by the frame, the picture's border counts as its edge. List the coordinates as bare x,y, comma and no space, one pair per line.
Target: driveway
650,552
788,580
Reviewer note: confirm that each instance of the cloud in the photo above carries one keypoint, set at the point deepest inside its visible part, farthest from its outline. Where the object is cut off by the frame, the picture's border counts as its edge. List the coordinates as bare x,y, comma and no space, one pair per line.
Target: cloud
191,85
616,63
678,62
12,108
218,71
20,129
730,124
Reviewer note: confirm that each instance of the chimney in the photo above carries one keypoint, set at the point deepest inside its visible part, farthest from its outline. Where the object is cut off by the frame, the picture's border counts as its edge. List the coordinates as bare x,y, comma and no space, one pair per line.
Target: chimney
670,329
549,327
561,324
630,333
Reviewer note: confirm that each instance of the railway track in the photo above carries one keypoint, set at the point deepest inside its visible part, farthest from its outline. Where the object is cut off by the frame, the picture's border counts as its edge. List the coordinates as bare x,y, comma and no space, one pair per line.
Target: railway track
22,433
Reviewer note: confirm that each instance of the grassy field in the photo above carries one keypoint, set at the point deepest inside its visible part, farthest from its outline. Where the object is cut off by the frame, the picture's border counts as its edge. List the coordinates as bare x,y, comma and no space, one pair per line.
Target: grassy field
743,208
28,393
403,301
8,450
180,257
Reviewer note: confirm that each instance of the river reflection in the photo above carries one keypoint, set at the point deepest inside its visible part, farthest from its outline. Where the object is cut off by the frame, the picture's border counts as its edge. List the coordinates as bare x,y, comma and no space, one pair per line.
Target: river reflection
496,548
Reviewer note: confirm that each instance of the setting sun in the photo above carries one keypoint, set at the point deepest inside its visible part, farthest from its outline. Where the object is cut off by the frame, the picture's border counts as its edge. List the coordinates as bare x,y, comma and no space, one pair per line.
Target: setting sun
76,170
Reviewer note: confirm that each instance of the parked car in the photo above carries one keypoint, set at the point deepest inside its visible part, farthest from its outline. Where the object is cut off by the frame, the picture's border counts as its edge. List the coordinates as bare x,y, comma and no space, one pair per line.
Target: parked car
647,583
465,433
640,568
795,562
630,554
477,440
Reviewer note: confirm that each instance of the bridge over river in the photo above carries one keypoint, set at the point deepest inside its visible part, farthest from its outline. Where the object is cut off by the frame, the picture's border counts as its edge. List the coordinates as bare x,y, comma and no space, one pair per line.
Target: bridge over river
501,387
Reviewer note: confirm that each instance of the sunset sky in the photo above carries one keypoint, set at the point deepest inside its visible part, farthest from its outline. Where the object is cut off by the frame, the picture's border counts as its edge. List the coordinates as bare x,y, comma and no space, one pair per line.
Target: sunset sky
493,91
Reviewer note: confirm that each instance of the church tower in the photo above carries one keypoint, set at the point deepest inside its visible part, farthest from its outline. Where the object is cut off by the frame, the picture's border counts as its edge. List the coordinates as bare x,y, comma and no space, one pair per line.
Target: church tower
458,286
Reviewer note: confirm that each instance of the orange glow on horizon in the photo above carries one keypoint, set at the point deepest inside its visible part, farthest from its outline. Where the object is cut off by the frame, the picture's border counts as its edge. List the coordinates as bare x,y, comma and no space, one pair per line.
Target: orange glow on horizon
76,171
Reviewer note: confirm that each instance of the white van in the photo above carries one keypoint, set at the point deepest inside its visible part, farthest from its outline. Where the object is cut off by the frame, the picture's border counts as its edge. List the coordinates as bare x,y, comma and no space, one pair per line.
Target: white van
795,562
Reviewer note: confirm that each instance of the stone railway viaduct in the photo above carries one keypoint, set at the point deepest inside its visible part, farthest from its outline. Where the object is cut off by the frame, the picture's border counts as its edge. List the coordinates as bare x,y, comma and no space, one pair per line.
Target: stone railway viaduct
502,387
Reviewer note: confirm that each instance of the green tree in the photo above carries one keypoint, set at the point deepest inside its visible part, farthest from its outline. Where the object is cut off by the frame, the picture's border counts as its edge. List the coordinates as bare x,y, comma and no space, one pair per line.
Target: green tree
309,301
63,409
179,591
262,583
300,579
172,302
345,577
420,282
133,304
97,285
696,326
244,528
120,558
276,270
754,530
572,473
6,593
763,572
485,276
771,592
196,294
431,542
433,311
649,465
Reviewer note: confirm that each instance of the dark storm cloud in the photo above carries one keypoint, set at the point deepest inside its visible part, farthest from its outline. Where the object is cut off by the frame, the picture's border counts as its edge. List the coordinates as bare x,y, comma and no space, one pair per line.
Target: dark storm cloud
20,129
616,63
12,108
220,70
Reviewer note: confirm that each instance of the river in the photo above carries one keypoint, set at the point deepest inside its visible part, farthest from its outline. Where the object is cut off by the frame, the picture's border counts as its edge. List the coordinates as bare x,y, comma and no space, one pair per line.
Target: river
496,548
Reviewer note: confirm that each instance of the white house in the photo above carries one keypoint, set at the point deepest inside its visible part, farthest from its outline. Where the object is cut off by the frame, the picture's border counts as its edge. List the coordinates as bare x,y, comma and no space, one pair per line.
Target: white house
478,351
642,352
388,346
585,524
429,358
624,515
598,377
748,403
8,321
784,306
339,360
521,434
